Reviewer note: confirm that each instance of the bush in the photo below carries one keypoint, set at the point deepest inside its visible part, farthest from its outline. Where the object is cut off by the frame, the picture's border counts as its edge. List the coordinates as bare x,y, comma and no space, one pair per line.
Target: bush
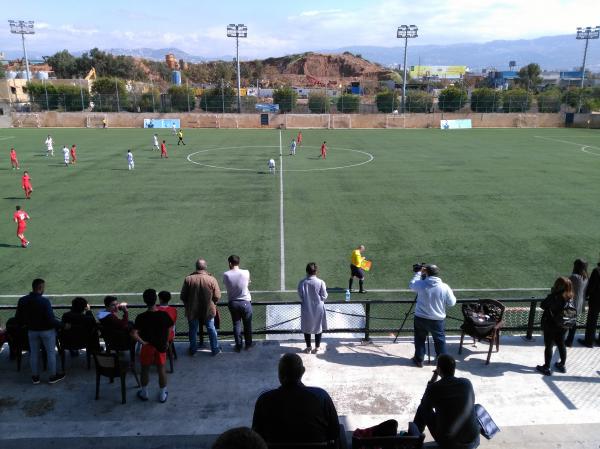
46,96
106,92
149,101
418,101
516,100
387,101
485,99
549,101
318,103
286,98
452,99
348,103
217,100
182,98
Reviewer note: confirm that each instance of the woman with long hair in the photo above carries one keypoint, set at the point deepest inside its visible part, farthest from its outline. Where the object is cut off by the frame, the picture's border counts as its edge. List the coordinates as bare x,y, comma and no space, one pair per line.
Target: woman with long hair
579,279
553,305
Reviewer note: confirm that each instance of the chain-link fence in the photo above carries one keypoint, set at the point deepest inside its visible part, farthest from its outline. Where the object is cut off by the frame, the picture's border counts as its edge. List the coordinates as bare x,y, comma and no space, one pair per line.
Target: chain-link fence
361,318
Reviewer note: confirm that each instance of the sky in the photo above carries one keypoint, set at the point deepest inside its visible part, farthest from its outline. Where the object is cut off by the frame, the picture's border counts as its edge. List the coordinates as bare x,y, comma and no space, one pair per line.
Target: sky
282,27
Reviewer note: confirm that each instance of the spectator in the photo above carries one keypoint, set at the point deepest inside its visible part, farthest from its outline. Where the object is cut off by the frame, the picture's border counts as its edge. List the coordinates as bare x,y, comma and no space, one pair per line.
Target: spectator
151,329
163,300
239,438
294,412
553,306
200,293
236,283
116,329
81,326
313,293
592,294
579,279
430,313
35,312
447,408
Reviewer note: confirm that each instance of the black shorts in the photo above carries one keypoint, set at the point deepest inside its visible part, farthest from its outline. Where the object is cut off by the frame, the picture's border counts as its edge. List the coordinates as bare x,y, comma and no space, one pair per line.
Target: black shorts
357,272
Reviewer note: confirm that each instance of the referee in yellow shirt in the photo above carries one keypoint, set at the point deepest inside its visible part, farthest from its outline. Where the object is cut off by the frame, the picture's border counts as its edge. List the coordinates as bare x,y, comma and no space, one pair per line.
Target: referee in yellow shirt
356,271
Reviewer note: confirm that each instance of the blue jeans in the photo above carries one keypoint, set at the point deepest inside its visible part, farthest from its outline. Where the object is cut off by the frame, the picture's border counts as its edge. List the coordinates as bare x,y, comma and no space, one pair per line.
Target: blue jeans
241,312
194,326
48,340
423,326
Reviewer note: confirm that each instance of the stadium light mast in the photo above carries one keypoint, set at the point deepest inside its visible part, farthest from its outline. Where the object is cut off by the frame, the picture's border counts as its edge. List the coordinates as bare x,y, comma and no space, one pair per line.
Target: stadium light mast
586,33
406,32
237,31
22,27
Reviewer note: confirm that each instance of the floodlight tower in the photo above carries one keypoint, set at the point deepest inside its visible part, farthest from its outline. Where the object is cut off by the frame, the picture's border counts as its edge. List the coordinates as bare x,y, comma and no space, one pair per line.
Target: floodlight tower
406,32
237,31
22,27
586,33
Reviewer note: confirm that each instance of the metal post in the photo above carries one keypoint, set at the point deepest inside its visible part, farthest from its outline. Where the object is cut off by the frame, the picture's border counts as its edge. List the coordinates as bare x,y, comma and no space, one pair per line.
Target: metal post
82,103
117,91
531,320
367,321
27,59
187,94
586,33
405,32
237,60
222,97
153,105
46,91
404,76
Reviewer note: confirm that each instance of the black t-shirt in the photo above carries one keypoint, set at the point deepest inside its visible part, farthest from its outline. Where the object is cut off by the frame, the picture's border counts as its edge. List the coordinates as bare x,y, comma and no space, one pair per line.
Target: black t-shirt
153,327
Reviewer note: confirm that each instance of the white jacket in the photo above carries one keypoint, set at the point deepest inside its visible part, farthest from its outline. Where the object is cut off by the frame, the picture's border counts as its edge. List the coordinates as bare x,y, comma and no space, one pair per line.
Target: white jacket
432,297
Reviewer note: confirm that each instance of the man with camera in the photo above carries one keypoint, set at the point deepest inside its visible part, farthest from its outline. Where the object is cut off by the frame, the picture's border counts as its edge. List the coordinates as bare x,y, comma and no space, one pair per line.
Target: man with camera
433,296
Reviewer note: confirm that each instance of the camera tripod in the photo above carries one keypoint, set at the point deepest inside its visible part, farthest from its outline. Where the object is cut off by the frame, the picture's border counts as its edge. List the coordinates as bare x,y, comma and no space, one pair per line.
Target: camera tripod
406,315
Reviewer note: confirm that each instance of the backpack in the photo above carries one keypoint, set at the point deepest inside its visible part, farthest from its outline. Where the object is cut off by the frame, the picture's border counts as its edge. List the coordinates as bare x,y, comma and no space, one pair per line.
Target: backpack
566,318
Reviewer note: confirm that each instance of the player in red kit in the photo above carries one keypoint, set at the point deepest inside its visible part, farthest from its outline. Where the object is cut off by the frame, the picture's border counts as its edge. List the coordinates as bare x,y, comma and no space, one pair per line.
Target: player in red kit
26,184
21,217
73,154
324,150
163,150
299,138
14,162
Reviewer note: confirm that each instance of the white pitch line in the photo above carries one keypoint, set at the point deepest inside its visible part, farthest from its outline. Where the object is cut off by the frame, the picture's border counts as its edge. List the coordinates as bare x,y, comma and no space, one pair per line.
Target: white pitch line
568,143
371,290
281,226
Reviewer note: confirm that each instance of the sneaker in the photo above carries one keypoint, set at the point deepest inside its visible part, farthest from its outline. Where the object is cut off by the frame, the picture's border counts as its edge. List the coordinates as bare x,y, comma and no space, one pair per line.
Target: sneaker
191,353
35,380
141,396
307,350
315,351
56,378
238,348
545,371
362,291
162,397
248,347
217,352
417,363
560,367
26,245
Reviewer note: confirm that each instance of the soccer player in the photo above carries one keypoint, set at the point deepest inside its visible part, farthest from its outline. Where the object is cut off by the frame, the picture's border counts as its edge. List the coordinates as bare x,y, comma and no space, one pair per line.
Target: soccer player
104,125
21,217
299,138
174,129
356,271
155,145
73,154
324,150
163,150
14,162
271,166
293,148
49,146
66,154
180,137
130,161
26,184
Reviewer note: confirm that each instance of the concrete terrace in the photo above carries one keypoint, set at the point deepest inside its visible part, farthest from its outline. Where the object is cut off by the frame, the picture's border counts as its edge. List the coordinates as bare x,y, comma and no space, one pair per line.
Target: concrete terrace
368,383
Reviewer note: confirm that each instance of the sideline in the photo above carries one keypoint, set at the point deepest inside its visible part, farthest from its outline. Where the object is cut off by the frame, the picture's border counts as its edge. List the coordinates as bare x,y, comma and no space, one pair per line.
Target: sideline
281,224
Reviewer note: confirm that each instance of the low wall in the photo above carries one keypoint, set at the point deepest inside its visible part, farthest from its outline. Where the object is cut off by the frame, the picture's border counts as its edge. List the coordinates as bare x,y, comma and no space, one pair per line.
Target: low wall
332,121
586,121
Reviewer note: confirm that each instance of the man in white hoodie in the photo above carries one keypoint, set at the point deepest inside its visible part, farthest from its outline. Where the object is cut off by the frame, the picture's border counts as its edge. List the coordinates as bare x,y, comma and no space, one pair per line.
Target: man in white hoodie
433,296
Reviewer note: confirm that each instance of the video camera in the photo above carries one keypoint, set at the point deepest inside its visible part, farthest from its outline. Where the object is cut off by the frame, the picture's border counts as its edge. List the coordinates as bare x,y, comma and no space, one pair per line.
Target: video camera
418,266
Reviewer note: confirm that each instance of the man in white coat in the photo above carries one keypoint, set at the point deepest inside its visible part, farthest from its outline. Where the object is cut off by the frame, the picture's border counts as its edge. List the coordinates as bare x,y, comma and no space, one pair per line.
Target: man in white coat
313,320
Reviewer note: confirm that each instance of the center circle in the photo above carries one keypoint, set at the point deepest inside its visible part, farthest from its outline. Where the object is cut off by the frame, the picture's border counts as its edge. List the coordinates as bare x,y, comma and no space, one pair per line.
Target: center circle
367,156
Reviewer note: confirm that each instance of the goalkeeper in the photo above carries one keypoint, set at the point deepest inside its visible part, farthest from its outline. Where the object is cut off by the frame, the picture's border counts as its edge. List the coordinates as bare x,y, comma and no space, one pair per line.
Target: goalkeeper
356,268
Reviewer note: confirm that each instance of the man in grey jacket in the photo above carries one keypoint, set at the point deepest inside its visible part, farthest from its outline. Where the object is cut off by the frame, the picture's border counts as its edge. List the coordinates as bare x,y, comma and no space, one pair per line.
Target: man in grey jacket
433,296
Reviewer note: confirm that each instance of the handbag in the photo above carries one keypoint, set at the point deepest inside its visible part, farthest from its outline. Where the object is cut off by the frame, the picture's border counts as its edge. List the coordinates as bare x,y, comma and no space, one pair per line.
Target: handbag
488,426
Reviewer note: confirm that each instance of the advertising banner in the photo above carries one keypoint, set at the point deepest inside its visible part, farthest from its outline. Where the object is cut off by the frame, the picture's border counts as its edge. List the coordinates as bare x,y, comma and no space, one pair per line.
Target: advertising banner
455,124
161,123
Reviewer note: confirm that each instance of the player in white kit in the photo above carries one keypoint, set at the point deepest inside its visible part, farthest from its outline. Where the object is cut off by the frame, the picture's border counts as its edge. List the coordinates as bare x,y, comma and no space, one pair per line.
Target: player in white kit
49,146
271,166
130,161
66,154
293,148
155,145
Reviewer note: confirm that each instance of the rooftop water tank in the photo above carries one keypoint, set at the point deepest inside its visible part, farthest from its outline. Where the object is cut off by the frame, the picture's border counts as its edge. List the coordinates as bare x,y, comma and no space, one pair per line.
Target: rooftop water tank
176,77
41,75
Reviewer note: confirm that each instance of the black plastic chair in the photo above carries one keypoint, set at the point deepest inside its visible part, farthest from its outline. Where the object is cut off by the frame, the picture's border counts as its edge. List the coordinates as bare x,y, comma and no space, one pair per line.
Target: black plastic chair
75,338
18,342
483,320
109,365
120,341
413,439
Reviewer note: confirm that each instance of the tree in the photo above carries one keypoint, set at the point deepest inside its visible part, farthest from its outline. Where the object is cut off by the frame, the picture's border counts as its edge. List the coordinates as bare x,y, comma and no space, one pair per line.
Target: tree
348,103
222,71
107,91
549,100
64,64
2,72
485,99
182,98
319,103
218,99
387,101
516,100
286,98
529,77
418,101
452,99
149,101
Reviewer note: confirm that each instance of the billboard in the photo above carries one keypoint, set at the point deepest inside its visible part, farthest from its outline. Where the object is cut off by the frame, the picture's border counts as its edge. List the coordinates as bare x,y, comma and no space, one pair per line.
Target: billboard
455,124
266,107
162,123
438,71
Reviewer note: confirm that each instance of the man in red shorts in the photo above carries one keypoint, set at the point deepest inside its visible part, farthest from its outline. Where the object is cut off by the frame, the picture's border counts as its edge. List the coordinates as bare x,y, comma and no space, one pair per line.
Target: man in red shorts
21,217
26,184
163,150
14,162
299,138
151,329
73,154
324,150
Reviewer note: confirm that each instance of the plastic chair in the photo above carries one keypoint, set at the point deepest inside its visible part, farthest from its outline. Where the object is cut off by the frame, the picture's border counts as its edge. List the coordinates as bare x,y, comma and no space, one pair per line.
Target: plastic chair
413,439
18,342
171,354
120,341
483,321
109,365
76,338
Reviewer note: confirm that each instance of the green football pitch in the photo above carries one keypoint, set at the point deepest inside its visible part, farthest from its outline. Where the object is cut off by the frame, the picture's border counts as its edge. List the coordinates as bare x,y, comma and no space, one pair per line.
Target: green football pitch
495,209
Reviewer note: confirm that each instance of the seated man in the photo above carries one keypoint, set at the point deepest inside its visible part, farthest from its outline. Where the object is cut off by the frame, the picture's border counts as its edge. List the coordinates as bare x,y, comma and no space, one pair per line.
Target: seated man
447,408
80,327
294,412
116,328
